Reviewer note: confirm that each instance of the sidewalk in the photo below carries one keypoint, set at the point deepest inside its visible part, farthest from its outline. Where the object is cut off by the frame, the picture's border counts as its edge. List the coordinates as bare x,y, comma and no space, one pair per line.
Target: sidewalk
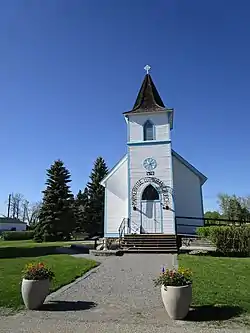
118,296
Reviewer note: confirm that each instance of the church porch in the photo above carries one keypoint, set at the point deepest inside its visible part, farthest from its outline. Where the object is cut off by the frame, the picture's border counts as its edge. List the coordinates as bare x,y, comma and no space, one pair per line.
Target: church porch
149,243
129,241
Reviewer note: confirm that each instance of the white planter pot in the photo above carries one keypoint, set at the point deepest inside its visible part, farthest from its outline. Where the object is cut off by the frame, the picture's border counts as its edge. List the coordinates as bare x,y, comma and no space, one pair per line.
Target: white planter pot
177,300
34,292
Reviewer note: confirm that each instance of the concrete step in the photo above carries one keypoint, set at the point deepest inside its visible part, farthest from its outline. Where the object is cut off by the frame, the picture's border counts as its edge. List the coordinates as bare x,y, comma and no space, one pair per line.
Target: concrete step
155,244
149,236
201,242
151,240
150,250
196,242
150,243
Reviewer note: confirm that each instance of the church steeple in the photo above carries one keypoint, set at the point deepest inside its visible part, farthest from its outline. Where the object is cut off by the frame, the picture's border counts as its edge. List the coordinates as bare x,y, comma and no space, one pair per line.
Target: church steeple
148,99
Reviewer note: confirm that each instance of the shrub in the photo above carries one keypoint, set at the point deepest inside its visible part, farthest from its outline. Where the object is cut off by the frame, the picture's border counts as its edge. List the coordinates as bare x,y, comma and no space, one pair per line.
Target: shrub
17,235
204,232
80,235
228,239
52,238
46,237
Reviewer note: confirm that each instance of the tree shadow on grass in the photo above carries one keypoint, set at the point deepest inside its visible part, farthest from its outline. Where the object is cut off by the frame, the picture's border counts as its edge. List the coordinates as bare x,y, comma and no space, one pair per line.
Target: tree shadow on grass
17,252
213,313
67,306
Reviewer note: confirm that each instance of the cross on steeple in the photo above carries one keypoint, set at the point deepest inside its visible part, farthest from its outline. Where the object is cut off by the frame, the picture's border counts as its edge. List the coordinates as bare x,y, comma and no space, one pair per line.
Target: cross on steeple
147,68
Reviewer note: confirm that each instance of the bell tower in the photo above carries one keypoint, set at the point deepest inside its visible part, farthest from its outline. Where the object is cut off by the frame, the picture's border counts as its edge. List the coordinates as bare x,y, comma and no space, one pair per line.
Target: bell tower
150,176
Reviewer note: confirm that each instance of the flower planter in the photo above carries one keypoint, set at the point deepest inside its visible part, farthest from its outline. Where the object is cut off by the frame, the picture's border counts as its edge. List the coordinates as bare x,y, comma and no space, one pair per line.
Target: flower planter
177,300
34,292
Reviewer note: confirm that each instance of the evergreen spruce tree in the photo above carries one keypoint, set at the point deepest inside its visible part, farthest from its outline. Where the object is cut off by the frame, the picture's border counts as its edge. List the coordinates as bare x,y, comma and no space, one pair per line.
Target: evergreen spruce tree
56,218
81,207
95,211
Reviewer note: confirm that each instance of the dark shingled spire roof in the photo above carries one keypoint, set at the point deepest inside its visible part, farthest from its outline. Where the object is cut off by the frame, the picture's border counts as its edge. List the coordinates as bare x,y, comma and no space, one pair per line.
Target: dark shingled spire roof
148,98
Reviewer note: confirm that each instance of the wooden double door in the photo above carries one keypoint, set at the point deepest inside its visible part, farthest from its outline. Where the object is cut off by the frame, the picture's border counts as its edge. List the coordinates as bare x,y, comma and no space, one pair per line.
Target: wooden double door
151,211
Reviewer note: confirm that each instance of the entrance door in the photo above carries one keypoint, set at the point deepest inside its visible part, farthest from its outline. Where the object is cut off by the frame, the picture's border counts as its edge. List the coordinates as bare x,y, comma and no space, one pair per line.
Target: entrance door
151,211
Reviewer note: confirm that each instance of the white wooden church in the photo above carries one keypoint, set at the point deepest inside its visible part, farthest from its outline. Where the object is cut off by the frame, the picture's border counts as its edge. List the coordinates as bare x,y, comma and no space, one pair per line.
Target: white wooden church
152,188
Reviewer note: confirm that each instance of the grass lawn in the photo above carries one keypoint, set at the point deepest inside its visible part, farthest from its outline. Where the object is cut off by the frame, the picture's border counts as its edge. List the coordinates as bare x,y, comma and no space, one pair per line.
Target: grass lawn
219,281
29,248
66,268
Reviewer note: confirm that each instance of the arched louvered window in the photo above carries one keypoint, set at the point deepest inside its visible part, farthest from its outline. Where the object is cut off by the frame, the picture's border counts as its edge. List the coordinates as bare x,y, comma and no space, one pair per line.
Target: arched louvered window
148,131
150,193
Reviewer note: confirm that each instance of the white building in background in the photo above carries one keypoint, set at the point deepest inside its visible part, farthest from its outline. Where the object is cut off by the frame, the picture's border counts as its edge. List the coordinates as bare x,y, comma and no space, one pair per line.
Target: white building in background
10,224
152,185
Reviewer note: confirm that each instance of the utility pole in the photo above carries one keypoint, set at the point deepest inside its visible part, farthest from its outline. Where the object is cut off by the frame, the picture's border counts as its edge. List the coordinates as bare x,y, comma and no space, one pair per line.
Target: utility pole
9,200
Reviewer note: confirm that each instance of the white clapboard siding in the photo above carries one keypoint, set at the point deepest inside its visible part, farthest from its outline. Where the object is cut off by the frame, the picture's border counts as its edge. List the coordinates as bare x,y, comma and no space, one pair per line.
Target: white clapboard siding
116,200
162,154
188,197
16,226
161,126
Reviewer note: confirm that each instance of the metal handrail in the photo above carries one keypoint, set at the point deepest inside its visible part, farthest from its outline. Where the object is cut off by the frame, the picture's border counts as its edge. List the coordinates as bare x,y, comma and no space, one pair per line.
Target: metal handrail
122,228
132,227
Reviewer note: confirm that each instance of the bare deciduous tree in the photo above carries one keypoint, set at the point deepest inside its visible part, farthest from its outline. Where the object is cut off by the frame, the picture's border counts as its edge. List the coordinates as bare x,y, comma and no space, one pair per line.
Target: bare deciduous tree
33,211
22,209
16,203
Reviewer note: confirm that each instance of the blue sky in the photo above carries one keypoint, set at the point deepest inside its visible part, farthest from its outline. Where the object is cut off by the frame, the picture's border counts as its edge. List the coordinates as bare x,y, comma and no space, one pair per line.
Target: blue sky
68,69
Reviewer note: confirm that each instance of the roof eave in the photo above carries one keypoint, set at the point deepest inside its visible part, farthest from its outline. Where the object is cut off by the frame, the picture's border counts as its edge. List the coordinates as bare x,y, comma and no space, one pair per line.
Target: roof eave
113,170
153,111
201,176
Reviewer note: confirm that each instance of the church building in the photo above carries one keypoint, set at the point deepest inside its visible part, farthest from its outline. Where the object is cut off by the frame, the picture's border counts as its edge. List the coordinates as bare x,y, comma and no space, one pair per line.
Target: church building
152,189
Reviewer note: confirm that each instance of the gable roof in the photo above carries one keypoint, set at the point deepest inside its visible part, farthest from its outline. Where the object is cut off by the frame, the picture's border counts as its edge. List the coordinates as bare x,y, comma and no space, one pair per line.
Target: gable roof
113,170
202,177
10,220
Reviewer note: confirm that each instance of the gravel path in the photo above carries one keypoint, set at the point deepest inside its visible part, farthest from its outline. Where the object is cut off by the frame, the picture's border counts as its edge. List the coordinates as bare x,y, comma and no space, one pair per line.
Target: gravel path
118,296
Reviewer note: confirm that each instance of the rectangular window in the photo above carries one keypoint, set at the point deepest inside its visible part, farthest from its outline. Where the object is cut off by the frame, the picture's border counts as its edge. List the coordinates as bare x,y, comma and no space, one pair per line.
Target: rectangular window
149,133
